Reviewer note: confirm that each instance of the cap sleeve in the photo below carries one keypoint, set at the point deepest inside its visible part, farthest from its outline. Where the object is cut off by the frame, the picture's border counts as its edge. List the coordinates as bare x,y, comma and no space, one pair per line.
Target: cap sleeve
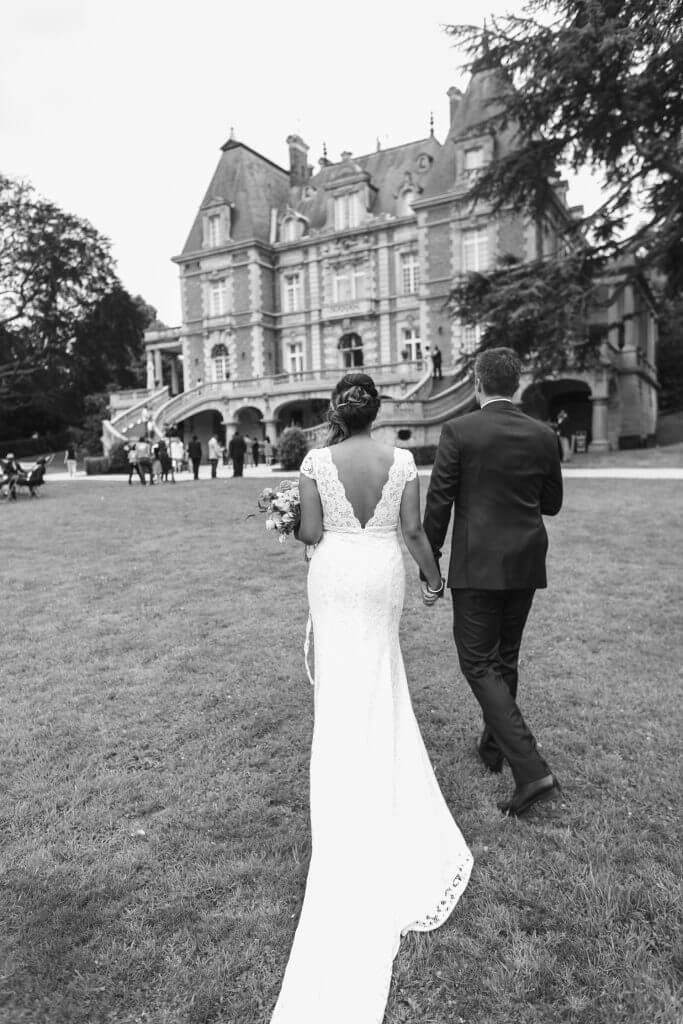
409,467
308,465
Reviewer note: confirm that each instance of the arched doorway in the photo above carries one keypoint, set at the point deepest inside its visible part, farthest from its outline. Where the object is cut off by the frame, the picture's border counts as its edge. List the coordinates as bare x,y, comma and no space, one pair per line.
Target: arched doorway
250,422
304,413
544,399
201,424
351,348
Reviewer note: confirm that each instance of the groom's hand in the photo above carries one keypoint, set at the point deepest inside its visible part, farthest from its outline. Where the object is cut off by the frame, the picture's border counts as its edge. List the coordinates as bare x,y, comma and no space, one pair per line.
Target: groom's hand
429,596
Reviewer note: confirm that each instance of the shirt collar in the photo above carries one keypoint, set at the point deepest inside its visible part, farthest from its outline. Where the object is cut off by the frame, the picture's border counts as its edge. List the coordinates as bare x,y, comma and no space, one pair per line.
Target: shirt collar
488,401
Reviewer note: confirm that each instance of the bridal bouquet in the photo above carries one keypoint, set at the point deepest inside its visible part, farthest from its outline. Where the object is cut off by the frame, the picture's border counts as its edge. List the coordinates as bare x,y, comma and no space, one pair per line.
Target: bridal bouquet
282,506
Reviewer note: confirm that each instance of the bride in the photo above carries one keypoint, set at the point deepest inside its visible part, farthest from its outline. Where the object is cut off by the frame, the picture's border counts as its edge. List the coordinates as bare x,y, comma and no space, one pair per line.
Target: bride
387,857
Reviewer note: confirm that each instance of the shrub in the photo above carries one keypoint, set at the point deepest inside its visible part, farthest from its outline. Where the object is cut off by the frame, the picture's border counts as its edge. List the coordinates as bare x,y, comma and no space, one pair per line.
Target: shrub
96,464
292,447
118,460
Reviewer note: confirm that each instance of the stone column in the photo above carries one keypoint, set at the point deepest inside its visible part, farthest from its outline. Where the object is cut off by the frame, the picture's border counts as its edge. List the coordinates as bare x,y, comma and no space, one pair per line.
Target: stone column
600,442
150,372
175,387
270,430
158,373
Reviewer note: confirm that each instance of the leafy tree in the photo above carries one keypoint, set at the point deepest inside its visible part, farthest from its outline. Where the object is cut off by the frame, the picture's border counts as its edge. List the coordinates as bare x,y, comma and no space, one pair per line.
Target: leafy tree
53,267
590,83
108,346
670,355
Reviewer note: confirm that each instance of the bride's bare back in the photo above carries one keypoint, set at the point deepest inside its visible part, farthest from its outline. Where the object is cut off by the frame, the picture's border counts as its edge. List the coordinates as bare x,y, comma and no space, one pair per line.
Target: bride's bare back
363,467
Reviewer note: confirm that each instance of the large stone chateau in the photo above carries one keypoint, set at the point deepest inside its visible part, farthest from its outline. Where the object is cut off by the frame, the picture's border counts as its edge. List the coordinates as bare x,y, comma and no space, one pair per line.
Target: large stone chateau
290,275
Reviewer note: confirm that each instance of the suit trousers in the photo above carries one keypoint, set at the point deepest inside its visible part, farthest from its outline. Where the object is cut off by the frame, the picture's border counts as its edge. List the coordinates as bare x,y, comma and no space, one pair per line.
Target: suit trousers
488,627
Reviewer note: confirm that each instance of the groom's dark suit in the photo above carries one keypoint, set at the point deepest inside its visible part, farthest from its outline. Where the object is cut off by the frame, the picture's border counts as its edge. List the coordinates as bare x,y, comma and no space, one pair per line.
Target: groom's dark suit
499,470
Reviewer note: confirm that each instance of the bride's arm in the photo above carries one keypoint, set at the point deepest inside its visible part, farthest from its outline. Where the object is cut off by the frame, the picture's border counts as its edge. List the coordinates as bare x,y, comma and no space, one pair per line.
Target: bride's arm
310,529
415,537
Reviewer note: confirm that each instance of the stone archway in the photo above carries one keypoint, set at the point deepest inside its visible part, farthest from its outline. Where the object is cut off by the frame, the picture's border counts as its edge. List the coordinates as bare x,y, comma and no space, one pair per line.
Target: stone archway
544,399
301,412
249,421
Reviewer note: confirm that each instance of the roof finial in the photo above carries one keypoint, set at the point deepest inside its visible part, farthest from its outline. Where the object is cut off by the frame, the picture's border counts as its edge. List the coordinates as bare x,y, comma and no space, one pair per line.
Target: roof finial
431,124
379,144
232,133
325,150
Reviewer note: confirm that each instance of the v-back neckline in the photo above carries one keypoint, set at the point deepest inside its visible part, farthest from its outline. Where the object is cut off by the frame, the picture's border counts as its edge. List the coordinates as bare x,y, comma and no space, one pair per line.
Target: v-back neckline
345,496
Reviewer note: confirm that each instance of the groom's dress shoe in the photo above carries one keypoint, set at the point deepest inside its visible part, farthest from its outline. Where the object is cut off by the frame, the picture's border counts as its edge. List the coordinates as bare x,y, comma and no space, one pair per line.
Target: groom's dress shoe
529,794
494,764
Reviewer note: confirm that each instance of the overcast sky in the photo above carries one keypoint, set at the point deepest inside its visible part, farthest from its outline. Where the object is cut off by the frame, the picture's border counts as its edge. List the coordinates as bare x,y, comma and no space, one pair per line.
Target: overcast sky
116,109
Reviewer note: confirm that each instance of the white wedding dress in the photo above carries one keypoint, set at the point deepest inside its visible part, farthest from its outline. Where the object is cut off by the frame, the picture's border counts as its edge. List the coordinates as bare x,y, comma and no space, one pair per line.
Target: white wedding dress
387,856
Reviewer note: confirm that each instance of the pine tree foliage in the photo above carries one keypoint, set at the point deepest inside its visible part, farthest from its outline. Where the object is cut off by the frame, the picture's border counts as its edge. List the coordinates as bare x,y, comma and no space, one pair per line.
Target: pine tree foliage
595,85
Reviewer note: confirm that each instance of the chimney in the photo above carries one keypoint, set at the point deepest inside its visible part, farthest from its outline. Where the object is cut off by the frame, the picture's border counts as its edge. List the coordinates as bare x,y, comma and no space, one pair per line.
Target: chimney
298,161
454,96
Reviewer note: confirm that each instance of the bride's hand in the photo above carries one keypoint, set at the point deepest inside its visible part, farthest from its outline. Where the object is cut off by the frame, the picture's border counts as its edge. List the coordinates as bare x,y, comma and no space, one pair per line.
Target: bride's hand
430,595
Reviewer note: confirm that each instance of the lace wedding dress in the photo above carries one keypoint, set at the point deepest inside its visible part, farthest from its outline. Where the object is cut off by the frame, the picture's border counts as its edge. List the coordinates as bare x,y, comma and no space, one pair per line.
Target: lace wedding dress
387,857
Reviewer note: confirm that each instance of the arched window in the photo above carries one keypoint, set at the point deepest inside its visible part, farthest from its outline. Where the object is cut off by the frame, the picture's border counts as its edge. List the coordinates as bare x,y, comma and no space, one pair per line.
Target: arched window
351,348
221,362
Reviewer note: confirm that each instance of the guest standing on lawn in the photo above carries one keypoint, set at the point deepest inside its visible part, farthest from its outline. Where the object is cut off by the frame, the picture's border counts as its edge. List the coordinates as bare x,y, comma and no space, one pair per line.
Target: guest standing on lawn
236,451
70,460
194,451
214,455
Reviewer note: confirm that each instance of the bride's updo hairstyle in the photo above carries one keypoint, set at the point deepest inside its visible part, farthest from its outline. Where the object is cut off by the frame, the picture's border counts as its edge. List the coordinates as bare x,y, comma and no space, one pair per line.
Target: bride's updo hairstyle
353,407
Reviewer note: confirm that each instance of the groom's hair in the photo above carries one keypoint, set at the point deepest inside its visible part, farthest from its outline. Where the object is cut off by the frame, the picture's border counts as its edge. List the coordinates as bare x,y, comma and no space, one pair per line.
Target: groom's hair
499,370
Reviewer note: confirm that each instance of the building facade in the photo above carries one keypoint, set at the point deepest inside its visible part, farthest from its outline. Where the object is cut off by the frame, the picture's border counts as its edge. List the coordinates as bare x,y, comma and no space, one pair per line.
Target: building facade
291,275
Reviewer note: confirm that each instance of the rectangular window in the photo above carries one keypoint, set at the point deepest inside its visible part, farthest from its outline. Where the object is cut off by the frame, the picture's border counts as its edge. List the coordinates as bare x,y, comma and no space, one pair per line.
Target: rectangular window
471,338
292,289
358,282
295,357
349,283
412,343
346,211
475,250
410,273
214,230
218,296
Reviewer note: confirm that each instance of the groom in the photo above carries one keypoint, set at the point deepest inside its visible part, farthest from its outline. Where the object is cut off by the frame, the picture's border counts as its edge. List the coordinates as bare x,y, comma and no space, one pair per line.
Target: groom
499,470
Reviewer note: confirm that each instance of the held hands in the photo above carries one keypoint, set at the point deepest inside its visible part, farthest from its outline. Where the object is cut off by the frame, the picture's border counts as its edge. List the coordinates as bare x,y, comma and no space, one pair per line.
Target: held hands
431,596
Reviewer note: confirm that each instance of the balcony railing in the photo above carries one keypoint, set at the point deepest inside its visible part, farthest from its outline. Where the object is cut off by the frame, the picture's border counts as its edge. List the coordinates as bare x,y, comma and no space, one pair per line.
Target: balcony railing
351,307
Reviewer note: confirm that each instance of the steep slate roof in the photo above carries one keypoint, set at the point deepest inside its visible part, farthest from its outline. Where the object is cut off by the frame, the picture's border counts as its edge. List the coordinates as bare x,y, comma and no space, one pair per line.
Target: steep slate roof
386,169
488,82
253,184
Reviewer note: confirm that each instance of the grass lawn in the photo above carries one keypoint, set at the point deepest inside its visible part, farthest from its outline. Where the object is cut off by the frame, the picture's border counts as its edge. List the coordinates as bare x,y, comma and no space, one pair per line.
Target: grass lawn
154,768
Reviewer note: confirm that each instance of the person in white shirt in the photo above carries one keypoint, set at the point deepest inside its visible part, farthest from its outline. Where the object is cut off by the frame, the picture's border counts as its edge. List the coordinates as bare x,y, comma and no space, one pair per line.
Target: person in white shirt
214,454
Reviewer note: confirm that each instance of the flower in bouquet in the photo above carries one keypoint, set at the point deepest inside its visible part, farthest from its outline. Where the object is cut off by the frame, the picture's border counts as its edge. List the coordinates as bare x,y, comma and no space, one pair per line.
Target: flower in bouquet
282,506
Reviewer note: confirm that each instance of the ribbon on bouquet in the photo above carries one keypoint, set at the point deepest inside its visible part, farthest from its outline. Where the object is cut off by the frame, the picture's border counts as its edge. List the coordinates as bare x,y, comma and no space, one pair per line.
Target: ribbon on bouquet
307,647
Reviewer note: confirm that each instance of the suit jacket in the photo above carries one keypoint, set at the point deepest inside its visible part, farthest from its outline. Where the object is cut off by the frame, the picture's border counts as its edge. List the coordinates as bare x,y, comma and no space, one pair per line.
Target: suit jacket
499,470
237,448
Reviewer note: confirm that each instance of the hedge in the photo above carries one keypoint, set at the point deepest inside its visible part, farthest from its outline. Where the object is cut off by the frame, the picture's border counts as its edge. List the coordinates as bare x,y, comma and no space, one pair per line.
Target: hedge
23,447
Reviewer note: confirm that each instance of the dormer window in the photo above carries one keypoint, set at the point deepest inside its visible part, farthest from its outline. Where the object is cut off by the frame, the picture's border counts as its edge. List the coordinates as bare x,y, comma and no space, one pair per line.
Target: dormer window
292,229
216,224
474,161
346,211
214,230
405,201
